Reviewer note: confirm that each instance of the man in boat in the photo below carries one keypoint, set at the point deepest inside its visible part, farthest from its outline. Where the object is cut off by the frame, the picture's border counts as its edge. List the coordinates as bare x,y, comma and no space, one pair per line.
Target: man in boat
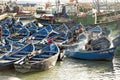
88,46
81,30
75,35
51,42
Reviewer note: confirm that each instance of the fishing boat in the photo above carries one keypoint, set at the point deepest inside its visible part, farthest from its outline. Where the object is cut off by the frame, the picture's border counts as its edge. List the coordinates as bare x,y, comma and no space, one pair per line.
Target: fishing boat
44,15
31,27
59,38
96,29
38,36
20,35
24,15
78,26
5,32
45,58
61,28
8,59
95,32
99,30
49,28
71,45
76,33
5,49
17,26
107,54
100,49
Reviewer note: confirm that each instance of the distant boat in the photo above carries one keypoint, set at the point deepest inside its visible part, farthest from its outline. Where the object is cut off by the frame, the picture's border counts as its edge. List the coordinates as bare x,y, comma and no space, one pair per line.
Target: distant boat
44,16
24,15
41,61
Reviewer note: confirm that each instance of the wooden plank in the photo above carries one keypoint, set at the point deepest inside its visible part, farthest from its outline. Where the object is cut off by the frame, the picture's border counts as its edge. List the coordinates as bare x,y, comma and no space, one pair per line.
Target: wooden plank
3,16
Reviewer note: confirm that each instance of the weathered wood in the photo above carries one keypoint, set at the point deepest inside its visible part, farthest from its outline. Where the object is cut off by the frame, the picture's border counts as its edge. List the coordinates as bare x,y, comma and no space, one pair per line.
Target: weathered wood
3,16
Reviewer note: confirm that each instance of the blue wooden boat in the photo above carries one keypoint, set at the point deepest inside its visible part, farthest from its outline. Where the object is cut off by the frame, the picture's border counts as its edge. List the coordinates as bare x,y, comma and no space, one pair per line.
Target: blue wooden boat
96,29
40,61
20,35
61,28
5,32
105,32
8,60
38,36
107,54
58,37
17,26
7,20
24,15
78,26
19,23
5,49
87,28
49,28
31,27
100,50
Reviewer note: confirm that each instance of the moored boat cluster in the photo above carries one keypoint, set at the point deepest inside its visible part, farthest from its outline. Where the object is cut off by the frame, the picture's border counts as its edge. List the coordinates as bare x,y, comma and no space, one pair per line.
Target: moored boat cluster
32,48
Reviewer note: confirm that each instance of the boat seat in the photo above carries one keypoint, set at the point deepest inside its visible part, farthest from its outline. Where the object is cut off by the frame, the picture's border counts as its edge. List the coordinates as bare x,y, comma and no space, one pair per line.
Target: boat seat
44,56
18,56
32,61
37,59
23,53
50,52
13,58
38,38
3,61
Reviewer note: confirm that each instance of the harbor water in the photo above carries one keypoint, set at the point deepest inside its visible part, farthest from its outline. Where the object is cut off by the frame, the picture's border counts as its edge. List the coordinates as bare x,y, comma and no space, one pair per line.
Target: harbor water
71,69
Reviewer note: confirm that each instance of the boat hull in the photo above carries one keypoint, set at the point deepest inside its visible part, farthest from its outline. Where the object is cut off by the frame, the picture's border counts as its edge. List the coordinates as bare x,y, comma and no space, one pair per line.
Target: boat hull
7,61
7,65
107,54
40,66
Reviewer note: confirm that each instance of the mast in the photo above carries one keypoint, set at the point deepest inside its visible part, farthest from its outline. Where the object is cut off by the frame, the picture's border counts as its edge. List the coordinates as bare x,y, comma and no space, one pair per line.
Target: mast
115,6
98,5
77,5
57,5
